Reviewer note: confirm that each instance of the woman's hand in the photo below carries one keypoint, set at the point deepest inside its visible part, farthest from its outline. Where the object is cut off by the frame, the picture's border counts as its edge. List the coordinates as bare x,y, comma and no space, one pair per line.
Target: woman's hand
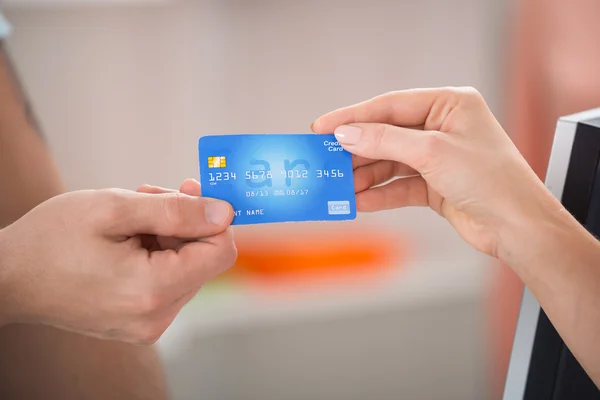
451,155
455,157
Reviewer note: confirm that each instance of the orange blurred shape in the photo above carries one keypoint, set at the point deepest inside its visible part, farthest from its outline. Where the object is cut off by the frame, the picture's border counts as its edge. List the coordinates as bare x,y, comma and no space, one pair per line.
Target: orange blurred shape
309,251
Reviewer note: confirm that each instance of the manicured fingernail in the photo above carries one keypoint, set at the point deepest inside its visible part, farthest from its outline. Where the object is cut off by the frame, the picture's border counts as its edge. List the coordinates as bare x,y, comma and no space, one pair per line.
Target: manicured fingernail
347,134
217,212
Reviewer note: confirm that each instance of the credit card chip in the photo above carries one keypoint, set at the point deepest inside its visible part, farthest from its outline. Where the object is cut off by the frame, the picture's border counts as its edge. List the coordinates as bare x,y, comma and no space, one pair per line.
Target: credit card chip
217,162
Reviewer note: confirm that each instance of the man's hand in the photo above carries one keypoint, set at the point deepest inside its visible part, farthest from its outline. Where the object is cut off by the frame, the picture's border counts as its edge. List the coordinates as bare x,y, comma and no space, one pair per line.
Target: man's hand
113,264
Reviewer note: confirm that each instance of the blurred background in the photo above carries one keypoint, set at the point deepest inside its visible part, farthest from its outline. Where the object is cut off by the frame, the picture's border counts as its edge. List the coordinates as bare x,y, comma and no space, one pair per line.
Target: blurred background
393,305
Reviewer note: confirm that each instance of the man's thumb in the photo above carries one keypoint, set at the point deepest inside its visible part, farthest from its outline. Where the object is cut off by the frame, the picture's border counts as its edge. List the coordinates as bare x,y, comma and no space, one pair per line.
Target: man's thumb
169,214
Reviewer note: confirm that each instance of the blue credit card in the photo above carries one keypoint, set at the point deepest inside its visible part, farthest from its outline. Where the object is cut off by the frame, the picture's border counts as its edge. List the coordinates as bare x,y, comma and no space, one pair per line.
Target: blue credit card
279,177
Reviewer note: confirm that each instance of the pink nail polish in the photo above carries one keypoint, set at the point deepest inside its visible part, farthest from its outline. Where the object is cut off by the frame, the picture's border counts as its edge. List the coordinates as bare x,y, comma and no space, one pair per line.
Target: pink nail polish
348,134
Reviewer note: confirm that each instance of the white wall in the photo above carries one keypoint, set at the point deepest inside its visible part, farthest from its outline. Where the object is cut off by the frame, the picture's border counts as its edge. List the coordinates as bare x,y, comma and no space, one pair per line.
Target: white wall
124,93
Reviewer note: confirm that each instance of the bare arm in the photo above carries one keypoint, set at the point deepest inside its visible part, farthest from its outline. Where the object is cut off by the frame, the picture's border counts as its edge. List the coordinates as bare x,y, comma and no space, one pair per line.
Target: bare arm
471,173
42,362
27,172
559,261
543,89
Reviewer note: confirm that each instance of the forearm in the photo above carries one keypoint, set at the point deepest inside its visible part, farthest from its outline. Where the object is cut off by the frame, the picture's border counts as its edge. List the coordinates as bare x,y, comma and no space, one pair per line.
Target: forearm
7,306
44,362
28,175
559,261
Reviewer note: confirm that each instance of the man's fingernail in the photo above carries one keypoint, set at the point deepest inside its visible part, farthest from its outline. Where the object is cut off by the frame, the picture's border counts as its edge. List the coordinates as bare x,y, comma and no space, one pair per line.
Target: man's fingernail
347,134
315,123
217,212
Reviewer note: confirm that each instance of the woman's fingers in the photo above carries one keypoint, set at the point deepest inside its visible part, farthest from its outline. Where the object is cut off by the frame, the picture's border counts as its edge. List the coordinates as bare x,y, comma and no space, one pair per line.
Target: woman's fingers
379,172
358,161
403,192
414,148
409,108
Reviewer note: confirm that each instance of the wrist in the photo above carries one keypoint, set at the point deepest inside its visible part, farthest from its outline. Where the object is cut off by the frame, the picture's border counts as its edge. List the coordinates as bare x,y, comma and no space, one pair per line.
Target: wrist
544,234
7,278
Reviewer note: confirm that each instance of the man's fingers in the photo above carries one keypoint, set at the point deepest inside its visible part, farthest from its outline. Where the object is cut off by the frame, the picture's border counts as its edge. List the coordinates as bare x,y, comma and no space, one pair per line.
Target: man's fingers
191,187
403,192
195,262
154,189
171,278
379,172
386,142
217,254
126,213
